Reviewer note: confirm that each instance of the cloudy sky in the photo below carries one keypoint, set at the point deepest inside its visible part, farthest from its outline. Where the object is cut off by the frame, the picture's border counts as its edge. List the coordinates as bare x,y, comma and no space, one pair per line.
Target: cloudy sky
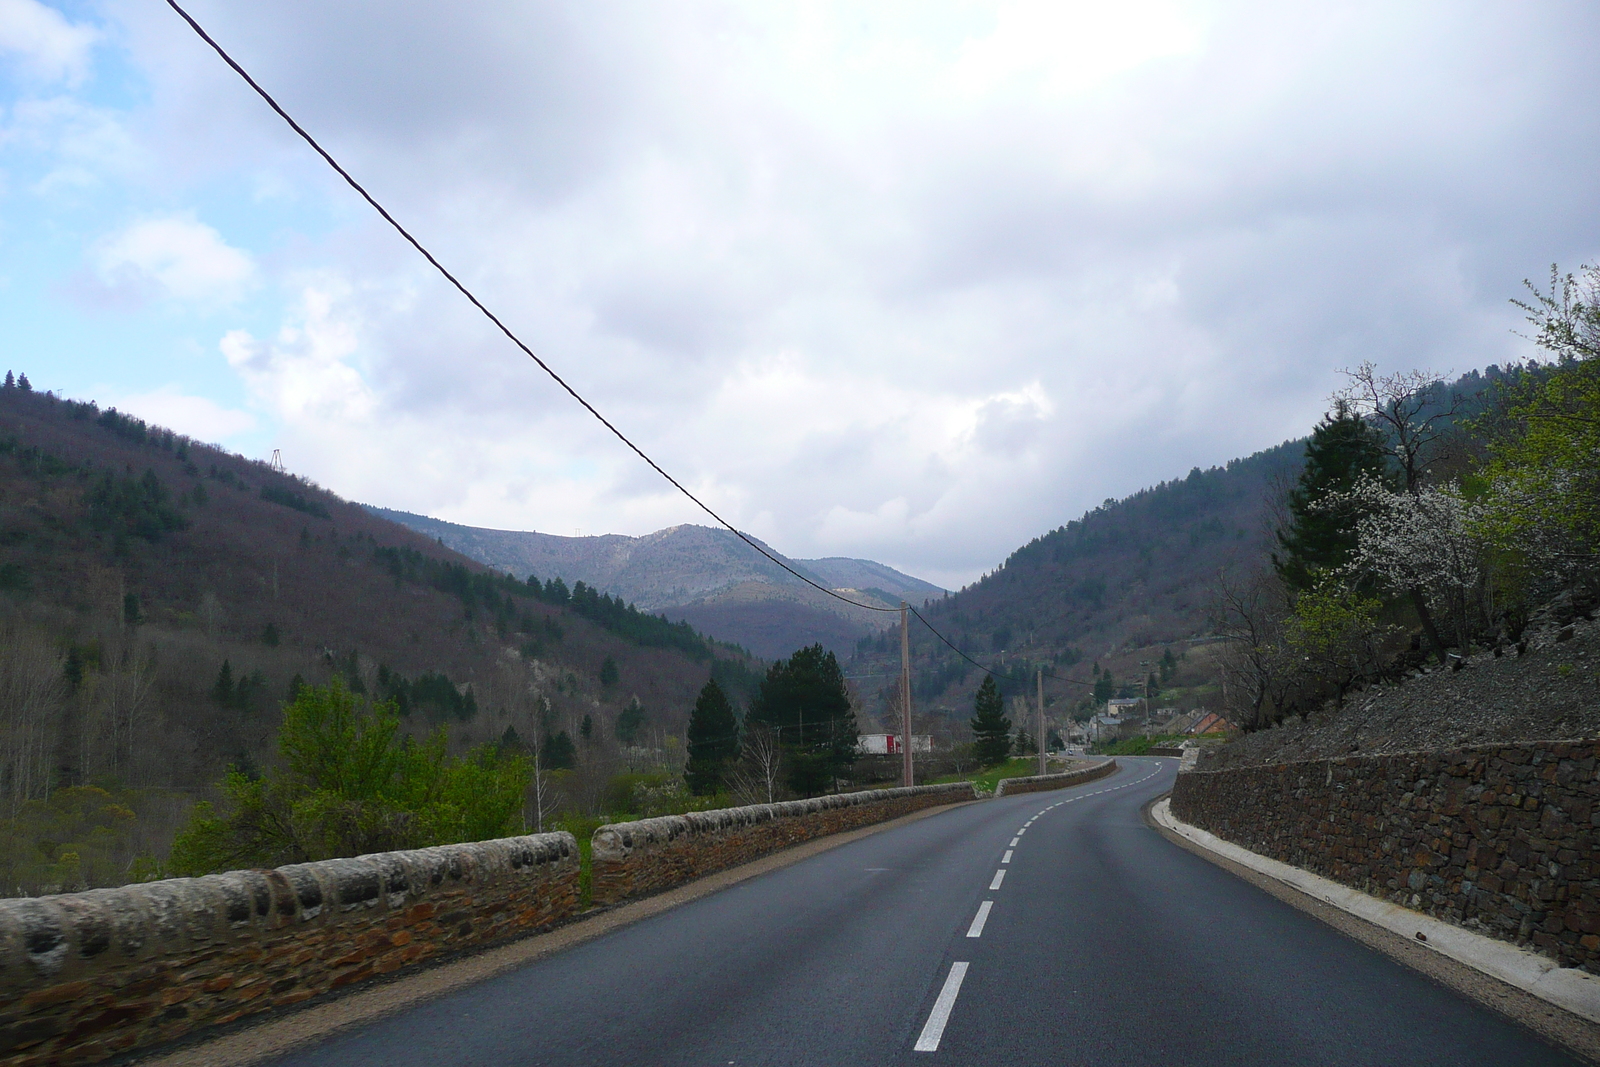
914,281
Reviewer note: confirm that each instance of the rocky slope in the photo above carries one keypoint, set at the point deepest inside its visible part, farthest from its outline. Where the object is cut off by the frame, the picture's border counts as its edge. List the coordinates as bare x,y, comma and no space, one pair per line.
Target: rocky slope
1550,692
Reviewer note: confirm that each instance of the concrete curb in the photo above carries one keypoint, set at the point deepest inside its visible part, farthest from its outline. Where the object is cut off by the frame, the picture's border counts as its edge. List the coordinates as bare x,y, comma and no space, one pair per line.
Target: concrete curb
1567,988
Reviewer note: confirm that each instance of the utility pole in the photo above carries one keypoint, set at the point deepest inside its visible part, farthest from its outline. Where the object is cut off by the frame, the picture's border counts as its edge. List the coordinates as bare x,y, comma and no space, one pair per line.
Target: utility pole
1041,720
905,693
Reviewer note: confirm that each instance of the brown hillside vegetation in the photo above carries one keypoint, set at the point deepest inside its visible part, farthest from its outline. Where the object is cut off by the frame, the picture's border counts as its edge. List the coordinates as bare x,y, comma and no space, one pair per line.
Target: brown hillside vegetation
160,596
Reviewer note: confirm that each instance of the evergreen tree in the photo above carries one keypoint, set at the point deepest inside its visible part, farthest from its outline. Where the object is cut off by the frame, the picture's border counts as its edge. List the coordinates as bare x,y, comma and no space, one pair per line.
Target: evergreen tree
1025,745
11,383
558,752
608,672
630,720
804,699
586,728
1105,687
1318,539
991,730
130,609
713,741
269,636
222,690
23,383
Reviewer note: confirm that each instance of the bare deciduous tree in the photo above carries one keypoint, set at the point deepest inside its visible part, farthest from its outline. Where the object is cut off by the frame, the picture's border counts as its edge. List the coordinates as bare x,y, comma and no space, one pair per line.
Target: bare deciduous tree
755,780
32,688
1258,671
1418,420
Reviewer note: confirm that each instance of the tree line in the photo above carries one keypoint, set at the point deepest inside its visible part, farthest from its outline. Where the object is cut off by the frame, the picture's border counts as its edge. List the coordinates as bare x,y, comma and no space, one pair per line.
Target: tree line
1428,524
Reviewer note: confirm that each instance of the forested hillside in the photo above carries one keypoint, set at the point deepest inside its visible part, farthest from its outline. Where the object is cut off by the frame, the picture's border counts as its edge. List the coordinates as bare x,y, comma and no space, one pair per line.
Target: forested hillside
1130,590
1129,575
160,598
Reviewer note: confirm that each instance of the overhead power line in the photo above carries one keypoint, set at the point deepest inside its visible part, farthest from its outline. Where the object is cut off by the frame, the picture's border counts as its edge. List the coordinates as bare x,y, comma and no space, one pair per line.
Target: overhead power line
492,317
530,353
981,667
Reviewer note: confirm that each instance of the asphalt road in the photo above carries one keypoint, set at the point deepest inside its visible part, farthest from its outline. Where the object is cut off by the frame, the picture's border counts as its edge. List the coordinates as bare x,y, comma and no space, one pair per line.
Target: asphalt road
1100,943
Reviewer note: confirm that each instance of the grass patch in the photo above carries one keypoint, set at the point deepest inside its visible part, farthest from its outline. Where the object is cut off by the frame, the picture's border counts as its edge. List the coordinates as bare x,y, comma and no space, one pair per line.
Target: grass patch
581,827
986,780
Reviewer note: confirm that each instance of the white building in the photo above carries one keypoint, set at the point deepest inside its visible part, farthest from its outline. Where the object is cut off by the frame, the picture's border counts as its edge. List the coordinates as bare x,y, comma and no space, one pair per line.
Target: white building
892,744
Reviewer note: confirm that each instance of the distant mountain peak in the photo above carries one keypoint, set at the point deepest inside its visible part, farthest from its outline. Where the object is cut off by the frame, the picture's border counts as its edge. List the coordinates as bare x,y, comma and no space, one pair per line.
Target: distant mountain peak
708,575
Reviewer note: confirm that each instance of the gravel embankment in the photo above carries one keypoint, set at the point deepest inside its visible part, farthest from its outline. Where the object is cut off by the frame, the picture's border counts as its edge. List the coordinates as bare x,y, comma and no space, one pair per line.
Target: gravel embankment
1551,692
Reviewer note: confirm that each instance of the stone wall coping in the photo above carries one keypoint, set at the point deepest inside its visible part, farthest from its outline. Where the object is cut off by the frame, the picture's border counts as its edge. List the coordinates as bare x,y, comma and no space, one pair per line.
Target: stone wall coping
1437,753
1060,776
615,841
57,938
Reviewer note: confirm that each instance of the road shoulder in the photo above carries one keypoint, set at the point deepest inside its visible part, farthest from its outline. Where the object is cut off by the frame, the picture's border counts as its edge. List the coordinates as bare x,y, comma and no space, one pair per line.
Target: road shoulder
1515,983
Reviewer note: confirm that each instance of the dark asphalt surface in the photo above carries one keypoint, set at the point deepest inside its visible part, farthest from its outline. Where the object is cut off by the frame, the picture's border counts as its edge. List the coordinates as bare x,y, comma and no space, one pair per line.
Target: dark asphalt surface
1105,944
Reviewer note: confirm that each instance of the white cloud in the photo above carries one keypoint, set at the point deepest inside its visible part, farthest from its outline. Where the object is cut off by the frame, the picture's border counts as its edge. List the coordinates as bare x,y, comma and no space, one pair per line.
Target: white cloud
918,280
42,43
199,417
176,257
304,375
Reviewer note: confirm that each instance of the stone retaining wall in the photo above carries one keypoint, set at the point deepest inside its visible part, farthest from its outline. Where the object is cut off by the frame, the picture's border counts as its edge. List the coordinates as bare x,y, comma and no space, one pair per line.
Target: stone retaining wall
634,859
1501,839
84,976
1039,783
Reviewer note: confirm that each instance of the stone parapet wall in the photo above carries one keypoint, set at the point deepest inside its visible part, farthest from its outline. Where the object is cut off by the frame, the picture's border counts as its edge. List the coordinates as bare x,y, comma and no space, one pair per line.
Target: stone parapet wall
635,859
1040,783
85,976
1501,839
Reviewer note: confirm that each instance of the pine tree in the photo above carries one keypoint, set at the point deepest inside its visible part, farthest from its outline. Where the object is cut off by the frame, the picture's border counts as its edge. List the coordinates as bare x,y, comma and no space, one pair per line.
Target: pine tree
608,672
804,699
991,730
1318,539
222,690
1025,745
586,728
713,741
630,720
558,752
23,383
11,383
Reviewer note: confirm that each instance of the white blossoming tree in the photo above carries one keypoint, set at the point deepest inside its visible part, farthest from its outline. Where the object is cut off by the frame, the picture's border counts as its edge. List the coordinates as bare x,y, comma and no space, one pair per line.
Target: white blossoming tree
1426,542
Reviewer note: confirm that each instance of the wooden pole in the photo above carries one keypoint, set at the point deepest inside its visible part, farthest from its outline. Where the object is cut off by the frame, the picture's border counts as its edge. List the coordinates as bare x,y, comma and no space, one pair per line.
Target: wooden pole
905,694
1041,721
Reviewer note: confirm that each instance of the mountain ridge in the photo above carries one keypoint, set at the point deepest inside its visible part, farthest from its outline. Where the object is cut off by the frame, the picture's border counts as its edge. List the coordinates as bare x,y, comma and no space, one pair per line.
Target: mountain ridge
699,574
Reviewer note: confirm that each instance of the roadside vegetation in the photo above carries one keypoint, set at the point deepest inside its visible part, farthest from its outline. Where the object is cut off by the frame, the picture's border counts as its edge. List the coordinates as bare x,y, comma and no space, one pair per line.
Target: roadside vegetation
1428,526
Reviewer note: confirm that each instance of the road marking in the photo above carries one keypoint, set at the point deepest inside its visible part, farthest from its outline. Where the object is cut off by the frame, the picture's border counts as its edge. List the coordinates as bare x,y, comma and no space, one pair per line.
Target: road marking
934,1029
976,929
1007,857
999,876
1013,842
1022,831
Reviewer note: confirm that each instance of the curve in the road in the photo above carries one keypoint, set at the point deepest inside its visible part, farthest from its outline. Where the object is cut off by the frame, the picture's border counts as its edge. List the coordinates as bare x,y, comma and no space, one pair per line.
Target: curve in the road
1037,929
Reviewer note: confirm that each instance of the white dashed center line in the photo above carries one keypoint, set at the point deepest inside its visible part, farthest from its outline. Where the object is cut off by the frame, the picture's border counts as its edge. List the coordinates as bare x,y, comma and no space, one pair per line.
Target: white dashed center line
999,876
976,929
1007,857
1013,842
934,1029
